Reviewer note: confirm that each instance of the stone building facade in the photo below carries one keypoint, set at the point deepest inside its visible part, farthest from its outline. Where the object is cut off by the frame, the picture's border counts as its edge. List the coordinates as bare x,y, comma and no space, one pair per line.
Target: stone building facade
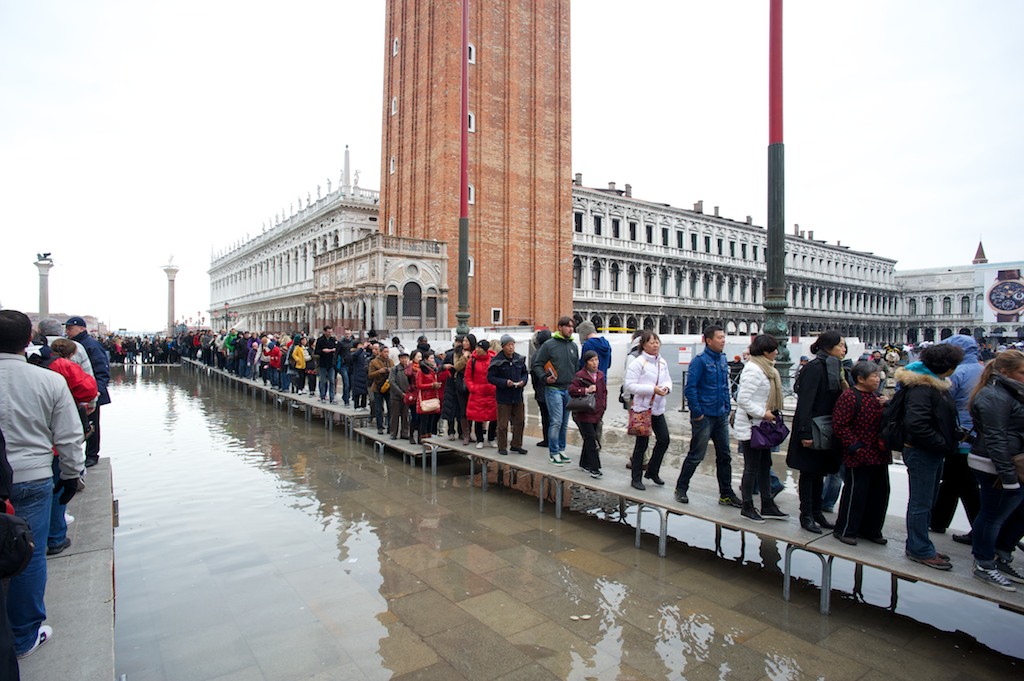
638,264
519,148
266,282
382,282
941,301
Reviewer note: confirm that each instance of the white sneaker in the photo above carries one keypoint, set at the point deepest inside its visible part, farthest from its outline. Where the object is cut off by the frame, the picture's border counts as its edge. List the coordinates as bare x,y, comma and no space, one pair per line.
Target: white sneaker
492,444
479,445
44,634
68,518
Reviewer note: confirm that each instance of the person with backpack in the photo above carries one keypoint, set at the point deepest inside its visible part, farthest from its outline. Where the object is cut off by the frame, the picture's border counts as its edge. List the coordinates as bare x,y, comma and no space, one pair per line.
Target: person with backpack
997,407
856,422
821,383
930,432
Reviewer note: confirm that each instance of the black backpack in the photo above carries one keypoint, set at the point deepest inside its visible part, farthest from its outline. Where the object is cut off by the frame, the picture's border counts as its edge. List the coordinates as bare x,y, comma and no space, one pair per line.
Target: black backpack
892,430
16,545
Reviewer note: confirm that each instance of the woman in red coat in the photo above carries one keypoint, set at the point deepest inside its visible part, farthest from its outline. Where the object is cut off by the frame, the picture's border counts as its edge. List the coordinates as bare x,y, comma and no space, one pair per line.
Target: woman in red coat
482,405
430,385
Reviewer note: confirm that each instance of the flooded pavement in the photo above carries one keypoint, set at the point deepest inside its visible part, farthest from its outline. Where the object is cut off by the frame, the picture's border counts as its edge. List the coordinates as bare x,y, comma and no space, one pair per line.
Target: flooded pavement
255,545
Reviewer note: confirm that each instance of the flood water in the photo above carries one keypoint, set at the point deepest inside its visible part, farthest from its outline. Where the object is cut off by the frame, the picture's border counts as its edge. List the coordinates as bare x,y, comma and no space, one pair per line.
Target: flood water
255,545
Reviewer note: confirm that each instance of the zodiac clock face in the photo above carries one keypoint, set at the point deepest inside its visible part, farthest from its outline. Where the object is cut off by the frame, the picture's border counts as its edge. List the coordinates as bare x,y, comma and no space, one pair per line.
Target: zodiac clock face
1006,296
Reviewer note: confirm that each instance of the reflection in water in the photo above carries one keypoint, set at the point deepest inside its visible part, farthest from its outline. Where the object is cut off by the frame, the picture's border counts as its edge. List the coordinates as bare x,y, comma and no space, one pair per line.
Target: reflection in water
256,545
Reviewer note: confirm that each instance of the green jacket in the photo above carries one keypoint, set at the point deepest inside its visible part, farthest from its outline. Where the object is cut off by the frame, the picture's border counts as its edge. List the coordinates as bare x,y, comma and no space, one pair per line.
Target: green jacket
564,357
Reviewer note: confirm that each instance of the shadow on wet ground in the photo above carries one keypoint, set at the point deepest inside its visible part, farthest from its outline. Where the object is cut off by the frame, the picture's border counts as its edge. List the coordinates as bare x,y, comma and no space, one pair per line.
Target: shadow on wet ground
255,545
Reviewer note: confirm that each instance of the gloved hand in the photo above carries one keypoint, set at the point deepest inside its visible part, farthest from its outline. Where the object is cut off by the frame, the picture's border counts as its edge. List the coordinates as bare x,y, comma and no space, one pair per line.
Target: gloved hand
67,488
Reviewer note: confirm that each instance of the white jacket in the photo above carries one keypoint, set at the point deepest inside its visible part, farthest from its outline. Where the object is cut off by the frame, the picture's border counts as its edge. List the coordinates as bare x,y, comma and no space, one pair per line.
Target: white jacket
751,400
644,374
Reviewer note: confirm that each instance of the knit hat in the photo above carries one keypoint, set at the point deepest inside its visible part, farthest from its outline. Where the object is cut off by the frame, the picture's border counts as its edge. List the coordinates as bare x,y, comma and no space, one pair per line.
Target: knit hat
585,329
507,339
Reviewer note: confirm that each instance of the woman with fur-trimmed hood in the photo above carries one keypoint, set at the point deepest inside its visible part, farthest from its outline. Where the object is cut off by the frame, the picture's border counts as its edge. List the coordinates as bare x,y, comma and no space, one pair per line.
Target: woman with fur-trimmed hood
930,432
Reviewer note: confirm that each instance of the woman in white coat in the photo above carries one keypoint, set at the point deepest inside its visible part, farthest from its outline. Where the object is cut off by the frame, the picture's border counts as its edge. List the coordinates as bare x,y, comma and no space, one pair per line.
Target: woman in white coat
648,380
759,398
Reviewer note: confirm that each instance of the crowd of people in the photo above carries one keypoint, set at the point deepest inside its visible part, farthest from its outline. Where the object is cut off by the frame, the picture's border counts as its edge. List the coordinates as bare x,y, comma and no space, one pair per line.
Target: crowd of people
53,383
957,420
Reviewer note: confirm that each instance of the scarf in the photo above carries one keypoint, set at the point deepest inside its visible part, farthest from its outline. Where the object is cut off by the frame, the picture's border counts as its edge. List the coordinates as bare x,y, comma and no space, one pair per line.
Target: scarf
774,402
834,370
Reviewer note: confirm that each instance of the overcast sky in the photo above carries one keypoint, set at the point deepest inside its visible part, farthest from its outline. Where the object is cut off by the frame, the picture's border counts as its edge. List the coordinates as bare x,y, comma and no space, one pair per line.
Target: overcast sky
132,131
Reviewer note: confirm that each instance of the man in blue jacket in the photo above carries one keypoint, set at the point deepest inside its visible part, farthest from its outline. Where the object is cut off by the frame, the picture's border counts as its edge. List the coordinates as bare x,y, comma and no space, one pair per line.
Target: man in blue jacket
958,482
508,374
707,394
76,331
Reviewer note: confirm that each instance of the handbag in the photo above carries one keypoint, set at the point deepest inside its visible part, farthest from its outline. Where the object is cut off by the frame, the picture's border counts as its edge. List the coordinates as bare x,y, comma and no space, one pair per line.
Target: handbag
430,405
16,545
639,423
768,434
821,432
586,403
410,397
385,386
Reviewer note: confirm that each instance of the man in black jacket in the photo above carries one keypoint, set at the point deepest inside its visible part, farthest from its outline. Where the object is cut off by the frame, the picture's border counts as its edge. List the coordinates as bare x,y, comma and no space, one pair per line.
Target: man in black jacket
326,352
345,345
76,331
508,373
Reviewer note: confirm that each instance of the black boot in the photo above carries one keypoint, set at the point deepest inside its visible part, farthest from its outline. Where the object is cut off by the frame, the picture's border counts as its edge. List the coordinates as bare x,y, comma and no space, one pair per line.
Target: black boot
820,518
807,522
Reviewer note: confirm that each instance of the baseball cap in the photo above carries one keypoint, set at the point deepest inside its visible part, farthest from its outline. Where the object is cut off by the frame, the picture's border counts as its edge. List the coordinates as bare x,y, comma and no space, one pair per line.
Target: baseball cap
75,321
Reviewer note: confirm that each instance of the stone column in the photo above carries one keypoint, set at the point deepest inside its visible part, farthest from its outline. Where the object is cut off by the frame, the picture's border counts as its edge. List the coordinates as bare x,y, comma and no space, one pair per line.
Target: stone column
44,265
171,271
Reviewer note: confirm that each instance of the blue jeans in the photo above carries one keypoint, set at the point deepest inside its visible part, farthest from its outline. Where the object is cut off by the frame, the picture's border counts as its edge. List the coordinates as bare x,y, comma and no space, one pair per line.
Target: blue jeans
558,417
716,429
243,368
58,526
346,385
1000,522
833,488
325,376
25,608
924,472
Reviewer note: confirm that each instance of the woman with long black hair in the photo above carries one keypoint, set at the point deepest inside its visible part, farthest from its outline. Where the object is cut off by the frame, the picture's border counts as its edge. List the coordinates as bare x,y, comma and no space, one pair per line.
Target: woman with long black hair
818,387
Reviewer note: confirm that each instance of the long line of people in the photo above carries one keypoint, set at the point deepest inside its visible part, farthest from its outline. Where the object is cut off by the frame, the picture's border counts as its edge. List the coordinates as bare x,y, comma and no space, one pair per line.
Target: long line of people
960,422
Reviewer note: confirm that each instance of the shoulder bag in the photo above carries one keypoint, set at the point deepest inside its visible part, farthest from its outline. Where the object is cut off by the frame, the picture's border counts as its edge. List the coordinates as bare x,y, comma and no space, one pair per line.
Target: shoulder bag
640,421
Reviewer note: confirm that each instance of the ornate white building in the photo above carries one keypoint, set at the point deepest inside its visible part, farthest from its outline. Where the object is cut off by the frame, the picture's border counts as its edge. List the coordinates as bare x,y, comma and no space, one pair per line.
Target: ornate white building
636,264
382,282
266,283
642,264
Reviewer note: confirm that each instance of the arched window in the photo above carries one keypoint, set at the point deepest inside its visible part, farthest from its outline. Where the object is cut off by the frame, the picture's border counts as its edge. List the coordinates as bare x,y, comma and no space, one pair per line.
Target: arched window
411,296
929,307
648,280
577,273
632,278
912,307
471,53
965,306
615,276
947,306
596,275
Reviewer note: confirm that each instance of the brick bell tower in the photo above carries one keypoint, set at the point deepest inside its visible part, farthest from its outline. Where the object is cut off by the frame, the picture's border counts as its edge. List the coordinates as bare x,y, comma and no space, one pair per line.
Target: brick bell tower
520,172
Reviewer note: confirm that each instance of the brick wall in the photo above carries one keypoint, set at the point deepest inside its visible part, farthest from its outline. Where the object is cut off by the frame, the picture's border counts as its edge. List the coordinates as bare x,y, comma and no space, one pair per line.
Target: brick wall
520,161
